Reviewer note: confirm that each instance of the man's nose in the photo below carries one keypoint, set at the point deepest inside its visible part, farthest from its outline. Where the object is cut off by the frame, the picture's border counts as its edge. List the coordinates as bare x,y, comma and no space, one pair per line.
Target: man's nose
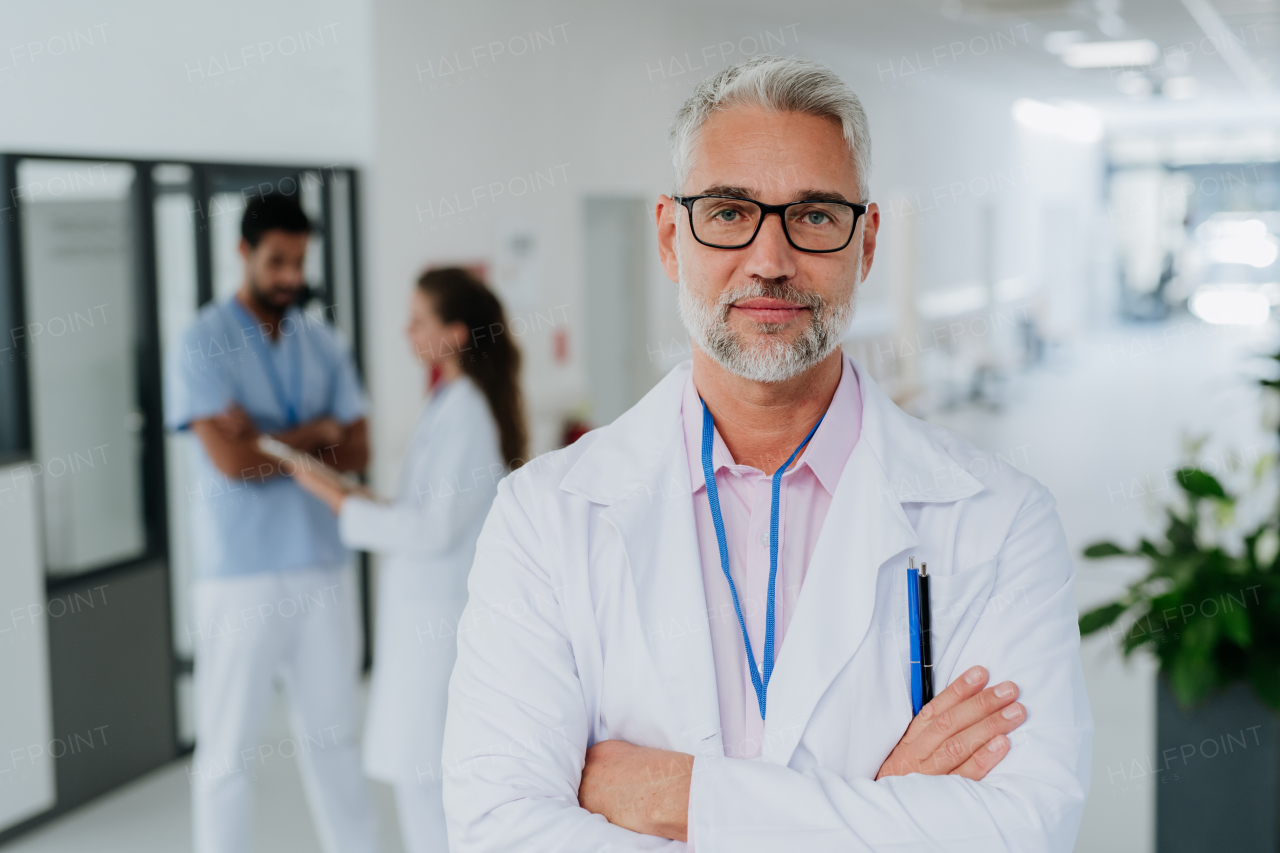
770,255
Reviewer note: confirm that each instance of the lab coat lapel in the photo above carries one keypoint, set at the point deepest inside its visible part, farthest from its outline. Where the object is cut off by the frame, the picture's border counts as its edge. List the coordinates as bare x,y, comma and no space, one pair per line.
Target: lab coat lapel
638,467
658,532
894,461
864,528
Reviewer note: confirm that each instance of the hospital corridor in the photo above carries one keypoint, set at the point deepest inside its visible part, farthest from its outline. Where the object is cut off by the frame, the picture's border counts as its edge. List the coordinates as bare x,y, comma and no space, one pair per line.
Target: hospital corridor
417,433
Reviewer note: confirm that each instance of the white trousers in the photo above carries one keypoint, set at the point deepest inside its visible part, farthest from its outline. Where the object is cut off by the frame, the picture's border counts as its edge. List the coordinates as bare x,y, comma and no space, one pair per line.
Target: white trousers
301,627
422,826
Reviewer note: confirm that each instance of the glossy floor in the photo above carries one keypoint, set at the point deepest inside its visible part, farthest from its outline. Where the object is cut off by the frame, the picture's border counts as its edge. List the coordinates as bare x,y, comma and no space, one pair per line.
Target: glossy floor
153,814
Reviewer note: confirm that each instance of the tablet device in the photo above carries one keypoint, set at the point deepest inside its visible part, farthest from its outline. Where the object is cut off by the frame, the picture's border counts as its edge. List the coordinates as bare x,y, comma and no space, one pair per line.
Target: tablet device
282,452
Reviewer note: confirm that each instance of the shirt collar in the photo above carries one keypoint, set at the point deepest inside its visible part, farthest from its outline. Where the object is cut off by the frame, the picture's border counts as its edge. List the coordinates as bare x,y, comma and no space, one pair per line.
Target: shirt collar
826,453
238,313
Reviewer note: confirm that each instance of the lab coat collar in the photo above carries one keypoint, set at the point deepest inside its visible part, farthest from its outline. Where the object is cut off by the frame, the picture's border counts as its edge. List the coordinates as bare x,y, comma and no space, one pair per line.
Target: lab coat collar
632,453
639,469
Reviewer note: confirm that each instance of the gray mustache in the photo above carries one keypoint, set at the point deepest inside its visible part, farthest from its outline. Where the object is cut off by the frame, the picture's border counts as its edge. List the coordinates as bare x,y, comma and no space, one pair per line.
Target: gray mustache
771,290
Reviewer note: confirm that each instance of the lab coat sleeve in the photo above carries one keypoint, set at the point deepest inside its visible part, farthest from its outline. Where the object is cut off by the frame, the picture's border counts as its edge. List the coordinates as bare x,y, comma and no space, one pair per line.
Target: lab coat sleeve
450,497
517,728
1032,801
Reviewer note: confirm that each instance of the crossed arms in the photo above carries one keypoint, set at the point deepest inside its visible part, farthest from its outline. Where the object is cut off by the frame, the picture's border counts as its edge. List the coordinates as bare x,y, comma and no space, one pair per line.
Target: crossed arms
518,772
230,440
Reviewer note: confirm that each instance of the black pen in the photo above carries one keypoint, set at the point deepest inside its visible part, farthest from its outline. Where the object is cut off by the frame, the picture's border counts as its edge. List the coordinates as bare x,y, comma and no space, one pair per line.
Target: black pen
926,640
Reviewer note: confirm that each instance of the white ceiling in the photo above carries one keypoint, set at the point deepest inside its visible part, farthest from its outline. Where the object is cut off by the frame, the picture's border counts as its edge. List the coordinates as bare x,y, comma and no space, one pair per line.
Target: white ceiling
880,32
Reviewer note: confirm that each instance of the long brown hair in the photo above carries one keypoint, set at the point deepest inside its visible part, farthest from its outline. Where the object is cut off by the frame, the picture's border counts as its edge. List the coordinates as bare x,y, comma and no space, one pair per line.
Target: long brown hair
489,356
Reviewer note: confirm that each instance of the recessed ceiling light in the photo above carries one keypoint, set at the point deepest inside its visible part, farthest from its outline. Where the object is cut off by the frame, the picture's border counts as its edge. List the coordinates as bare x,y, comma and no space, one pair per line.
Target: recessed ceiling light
1111,54
1242,306
1074,121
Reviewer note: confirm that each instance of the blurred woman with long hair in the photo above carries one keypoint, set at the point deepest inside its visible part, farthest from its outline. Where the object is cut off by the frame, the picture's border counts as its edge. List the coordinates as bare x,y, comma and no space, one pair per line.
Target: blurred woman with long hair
470,433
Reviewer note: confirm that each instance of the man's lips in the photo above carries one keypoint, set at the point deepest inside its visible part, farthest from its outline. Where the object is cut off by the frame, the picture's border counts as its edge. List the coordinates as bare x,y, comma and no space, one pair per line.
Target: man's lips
763,309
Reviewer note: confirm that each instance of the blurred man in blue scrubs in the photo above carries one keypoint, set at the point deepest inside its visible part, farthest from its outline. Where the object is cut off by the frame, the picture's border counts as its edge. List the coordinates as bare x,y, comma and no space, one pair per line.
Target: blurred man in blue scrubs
275,597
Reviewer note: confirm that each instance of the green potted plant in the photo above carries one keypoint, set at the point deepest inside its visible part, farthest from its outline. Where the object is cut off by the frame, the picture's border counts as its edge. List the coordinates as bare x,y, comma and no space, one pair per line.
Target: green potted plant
1210,614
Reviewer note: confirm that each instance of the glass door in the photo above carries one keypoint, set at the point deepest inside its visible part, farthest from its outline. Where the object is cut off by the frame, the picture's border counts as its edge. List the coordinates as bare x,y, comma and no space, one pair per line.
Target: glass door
94,440
80,296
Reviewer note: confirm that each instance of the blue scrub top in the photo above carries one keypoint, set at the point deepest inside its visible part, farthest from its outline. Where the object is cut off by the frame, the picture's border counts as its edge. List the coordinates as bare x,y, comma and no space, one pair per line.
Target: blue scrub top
245,525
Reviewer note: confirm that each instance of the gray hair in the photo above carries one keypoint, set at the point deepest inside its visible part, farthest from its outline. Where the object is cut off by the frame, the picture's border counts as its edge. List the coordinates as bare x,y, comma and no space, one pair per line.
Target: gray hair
782,85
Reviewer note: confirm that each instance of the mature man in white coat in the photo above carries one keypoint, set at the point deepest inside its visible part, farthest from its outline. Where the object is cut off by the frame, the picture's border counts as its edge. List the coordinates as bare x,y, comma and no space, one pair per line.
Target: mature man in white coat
690,627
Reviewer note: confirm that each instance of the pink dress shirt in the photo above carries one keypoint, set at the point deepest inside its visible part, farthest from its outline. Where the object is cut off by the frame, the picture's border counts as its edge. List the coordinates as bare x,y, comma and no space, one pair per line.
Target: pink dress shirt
745,493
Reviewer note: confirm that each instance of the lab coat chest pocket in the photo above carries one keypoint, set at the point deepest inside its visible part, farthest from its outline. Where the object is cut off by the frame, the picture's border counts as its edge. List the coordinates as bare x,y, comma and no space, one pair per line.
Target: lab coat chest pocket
957,602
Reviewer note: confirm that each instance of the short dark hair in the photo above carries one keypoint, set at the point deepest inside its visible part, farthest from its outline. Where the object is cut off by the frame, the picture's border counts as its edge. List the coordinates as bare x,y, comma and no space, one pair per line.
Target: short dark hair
269,212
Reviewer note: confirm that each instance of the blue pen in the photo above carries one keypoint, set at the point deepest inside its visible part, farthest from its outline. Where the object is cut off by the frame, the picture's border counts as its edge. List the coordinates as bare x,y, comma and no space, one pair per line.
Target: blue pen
913,629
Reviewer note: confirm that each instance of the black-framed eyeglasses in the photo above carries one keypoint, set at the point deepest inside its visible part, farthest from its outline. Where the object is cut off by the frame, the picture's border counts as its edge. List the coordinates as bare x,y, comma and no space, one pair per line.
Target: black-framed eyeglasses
732,222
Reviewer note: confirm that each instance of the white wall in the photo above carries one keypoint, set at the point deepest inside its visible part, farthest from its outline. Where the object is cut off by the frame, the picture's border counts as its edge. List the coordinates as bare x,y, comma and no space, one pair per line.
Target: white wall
235,80
26,737
579,108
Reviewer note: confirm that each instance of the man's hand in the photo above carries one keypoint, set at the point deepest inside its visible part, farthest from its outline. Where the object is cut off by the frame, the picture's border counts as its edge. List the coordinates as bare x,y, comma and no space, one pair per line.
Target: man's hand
235,424
962,731
638,788
314,435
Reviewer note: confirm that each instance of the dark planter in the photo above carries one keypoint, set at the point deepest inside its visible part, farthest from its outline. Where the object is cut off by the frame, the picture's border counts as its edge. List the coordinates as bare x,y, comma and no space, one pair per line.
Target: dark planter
1217,769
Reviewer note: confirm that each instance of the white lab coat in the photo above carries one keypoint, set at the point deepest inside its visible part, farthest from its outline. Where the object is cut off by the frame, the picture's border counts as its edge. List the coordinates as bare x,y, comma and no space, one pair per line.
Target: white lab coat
427,538
587,621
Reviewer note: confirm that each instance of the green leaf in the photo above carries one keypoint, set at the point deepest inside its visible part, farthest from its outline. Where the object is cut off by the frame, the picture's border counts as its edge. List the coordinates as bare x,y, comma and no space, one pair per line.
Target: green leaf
1099,618
1181,532
1191,680
1199,637
1199,484
1235,626
1183,569
1099,550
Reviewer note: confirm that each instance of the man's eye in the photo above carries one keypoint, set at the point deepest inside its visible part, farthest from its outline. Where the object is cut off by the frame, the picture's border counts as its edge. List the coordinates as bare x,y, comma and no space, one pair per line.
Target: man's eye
726,215
817,217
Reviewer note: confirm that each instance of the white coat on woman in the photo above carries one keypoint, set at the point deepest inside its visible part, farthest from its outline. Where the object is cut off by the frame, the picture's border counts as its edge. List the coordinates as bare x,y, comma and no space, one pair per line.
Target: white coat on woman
427,540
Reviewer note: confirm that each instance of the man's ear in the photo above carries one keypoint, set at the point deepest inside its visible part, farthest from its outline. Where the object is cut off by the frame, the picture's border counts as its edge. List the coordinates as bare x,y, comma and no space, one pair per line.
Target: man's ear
870,229
245,249
666,214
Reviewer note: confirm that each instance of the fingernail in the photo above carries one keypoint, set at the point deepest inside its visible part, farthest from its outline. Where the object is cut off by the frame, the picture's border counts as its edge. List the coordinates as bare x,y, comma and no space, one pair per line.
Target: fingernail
1005,690
997,743
1012,712
974,675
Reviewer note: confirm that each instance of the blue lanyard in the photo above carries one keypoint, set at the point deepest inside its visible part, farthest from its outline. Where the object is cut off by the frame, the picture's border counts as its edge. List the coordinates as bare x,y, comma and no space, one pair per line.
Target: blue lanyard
283,400
759,682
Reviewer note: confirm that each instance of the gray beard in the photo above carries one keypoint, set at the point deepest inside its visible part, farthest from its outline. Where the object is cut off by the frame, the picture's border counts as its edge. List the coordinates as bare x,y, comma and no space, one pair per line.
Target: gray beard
777,359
